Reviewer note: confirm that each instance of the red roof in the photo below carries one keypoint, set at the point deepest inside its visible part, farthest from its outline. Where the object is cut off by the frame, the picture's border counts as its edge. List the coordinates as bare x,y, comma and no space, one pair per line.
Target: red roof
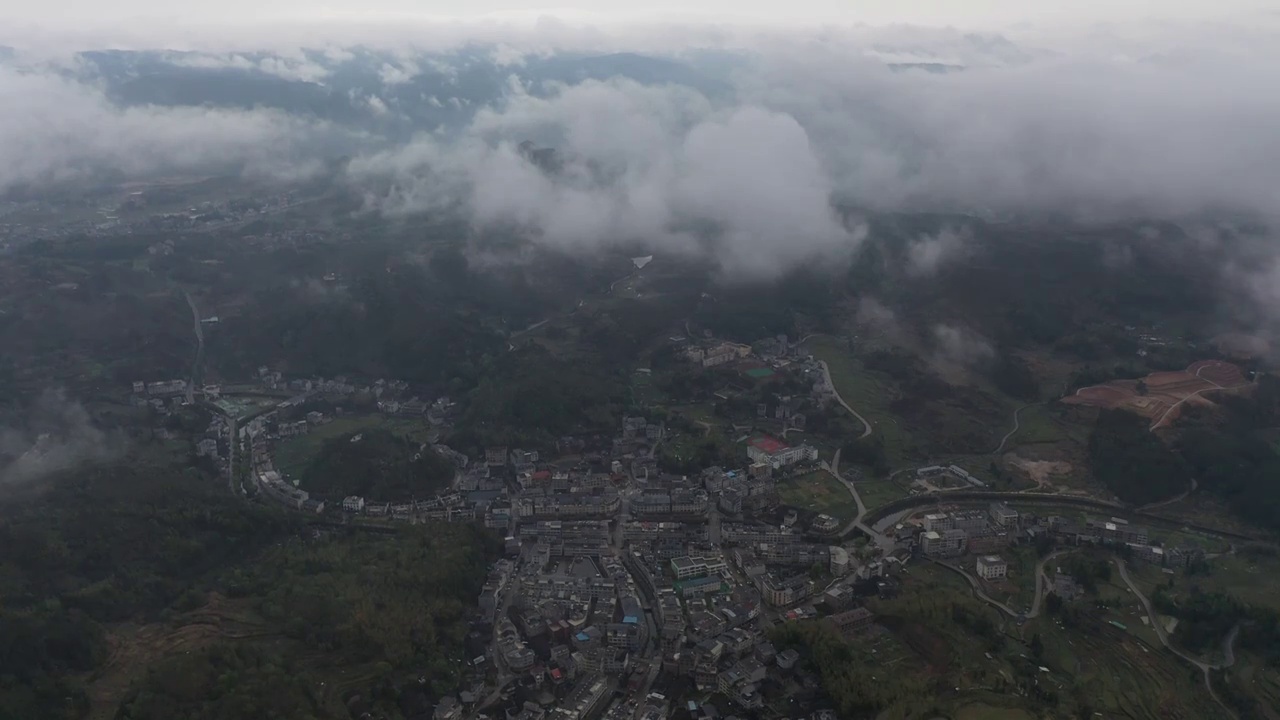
768,444
542,475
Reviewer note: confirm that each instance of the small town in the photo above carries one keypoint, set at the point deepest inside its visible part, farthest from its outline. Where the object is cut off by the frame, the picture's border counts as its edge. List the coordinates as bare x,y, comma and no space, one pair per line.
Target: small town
622,583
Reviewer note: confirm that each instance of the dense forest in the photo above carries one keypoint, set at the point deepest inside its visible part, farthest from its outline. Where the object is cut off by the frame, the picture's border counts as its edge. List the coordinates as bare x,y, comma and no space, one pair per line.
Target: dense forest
1232,453
103,545
1133,462
373,623
92,555
530,398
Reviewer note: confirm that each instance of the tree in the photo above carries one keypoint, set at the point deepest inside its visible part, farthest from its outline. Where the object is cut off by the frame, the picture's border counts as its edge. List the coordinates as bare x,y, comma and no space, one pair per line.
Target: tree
1037,647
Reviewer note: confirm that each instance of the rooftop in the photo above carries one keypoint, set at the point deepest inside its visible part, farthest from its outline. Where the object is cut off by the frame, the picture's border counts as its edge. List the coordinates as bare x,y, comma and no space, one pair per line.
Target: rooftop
768,444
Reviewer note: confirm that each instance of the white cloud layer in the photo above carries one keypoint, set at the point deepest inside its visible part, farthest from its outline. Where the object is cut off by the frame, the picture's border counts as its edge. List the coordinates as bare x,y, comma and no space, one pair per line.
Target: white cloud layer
657,165
1155,120
54,129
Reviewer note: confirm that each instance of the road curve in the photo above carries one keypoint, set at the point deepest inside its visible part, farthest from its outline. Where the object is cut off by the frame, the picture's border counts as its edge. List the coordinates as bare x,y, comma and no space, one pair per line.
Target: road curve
1014,431
1204,667
977,588
981,595
826,374
1176,498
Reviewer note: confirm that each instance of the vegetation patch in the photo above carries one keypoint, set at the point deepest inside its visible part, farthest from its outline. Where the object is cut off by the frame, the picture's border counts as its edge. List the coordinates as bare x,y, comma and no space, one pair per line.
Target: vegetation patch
819,492
377,463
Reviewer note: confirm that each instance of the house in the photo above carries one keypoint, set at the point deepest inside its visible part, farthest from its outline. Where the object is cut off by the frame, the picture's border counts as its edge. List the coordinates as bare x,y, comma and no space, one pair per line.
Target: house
353,503
787,659
852,622
992,567
495,456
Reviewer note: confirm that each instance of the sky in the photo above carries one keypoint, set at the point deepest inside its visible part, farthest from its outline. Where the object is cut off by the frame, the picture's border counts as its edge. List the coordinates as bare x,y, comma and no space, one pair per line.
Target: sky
956,12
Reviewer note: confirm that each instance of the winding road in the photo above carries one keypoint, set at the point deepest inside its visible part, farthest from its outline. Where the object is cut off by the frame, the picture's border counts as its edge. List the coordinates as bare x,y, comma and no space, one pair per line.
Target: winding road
1176,498
883,541
982,595
199,359
1014,431
826,375
1204,667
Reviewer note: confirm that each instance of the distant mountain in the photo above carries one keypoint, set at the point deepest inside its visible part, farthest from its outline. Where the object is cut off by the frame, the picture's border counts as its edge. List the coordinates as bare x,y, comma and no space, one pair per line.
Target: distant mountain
393,95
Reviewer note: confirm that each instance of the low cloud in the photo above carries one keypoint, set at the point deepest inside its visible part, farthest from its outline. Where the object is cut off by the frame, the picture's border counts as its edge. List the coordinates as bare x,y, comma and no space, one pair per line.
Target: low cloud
629,163
297,67
881,321
927,253
55,130
58,435
957,351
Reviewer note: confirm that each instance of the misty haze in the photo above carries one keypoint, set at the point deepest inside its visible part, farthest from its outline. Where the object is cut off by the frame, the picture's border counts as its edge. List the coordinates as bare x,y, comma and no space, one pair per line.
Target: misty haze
395,361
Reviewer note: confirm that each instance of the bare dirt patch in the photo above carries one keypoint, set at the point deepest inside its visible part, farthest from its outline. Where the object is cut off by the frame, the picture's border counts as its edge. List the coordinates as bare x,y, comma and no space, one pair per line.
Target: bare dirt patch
1159,397
1041,472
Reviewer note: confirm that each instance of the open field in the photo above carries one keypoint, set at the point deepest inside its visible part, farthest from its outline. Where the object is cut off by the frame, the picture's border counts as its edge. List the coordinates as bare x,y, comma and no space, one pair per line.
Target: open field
819,492
875,493
1254,579
294,454
983,711
867,391
1160,395
1038,424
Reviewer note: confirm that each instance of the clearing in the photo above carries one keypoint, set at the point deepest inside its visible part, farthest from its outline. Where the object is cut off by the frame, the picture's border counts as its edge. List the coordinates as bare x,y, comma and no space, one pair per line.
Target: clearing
819,492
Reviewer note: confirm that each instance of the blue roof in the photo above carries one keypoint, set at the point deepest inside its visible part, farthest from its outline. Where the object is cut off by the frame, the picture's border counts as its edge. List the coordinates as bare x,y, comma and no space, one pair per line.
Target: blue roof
582,636
631,620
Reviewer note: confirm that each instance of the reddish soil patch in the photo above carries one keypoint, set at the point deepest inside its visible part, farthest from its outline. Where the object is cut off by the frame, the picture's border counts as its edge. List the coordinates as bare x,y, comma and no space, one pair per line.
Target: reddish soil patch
1166,391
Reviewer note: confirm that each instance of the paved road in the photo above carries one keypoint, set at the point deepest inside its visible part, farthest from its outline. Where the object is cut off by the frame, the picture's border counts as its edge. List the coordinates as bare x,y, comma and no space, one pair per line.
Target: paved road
883,541
982,595
196,375
1014,431
1042,581
1204,667
826,374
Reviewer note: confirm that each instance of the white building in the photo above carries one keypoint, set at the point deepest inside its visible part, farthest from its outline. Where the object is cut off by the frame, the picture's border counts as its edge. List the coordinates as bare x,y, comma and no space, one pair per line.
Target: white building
992,567
939,522
353,503
777,454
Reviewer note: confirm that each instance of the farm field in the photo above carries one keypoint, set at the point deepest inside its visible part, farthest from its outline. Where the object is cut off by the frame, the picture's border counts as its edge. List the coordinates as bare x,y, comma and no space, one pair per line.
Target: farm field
883,491
819,492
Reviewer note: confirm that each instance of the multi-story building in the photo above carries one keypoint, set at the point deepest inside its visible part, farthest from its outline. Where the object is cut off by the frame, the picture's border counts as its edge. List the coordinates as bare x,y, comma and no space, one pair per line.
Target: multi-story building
970,521
777,454
938,522
1003,515
947,543
992,567
692,566
781,592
